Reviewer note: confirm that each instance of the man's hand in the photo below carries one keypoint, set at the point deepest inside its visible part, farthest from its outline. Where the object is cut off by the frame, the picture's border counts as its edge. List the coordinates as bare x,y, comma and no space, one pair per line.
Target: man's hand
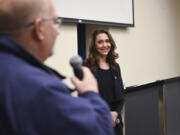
88,83
114,115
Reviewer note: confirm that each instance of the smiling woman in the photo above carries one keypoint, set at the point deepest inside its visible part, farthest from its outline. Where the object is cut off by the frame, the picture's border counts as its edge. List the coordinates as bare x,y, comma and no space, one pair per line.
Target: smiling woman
102,62
103,44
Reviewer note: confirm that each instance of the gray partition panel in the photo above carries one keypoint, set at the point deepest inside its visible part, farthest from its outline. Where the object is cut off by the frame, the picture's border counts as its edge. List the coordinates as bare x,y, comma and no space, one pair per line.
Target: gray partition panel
172,107
142,112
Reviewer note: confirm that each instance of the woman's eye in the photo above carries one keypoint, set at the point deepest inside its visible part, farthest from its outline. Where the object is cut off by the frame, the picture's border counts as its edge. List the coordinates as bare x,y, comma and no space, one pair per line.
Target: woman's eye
99,42
107,41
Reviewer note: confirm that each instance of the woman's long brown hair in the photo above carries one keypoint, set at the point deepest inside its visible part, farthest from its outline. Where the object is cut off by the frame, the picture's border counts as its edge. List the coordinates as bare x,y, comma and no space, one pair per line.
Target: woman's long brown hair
92,58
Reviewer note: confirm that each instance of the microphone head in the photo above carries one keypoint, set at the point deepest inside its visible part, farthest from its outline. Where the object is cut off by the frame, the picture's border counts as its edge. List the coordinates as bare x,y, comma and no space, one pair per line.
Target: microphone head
76,61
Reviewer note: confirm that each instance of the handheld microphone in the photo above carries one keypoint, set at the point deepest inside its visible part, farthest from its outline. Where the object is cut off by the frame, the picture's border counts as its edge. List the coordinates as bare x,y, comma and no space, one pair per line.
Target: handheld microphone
76,63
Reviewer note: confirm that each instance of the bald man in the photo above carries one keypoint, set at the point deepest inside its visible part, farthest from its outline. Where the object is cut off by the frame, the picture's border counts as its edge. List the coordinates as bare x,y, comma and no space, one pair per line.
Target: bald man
33,99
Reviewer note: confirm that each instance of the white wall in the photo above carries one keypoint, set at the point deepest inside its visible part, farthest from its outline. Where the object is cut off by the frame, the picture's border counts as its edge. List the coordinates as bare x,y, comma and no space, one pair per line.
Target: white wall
65,48
149,51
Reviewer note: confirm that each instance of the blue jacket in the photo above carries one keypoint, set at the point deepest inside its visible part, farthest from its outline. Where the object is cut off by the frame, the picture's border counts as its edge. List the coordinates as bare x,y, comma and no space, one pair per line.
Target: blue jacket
34,101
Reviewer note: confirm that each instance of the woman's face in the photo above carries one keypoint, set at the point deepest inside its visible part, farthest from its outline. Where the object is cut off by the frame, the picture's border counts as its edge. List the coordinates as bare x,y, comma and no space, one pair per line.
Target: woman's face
102,44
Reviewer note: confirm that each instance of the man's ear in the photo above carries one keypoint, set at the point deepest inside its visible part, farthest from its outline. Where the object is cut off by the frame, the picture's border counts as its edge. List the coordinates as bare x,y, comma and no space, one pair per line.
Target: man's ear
39,29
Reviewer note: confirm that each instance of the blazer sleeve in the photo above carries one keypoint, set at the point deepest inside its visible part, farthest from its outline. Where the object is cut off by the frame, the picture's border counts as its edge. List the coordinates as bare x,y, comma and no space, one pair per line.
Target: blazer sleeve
45,106
119,103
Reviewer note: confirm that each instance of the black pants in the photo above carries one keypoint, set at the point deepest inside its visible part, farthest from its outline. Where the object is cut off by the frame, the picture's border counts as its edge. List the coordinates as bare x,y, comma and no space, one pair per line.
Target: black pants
118,130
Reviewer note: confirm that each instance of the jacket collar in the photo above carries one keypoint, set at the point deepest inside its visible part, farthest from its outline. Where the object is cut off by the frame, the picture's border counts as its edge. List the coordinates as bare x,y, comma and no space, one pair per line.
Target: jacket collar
11,46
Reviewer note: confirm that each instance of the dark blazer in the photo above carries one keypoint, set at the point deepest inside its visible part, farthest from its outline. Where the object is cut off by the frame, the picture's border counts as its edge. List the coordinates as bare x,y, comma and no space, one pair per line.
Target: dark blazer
117,102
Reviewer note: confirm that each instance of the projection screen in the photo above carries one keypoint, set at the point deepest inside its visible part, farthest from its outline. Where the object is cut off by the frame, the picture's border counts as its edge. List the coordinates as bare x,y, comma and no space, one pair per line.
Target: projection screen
105,12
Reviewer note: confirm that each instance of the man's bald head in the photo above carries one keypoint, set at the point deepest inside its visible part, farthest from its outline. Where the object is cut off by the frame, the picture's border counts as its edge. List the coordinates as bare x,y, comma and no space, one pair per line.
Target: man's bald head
15,14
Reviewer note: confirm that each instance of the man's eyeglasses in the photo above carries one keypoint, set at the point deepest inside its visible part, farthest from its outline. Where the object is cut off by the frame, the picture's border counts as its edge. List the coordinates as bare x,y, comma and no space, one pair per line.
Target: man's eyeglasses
56,20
